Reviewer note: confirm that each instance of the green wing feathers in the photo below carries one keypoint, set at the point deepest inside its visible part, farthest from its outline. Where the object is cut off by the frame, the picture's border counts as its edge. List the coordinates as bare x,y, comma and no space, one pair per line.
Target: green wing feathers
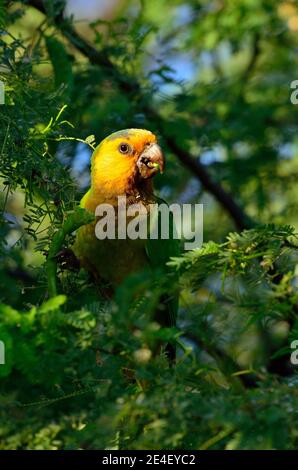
159,252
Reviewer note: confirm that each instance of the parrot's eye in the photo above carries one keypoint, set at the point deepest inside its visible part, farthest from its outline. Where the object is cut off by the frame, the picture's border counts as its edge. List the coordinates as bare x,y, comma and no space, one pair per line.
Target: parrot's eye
124,148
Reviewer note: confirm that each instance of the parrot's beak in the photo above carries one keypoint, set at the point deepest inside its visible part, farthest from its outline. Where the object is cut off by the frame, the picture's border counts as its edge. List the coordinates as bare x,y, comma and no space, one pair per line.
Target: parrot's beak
151,161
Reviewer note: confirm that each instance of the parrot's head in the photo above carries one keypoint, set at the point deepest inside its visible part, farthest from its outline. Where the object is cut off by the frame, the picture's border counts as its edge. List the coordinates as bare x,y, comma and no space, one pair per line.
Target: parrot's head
126,159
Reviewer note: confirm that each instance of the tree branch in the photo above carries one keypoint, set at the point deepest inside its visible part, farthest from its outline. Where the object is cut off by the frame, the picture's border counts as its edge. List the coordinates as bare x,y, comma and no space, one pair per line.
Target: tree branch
129,85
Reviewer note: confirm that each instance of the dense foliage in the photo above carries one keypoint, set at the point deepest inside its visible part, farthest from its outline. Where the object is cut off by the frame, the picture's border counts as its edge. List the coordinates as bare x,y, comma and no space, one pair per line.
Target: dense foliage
212,80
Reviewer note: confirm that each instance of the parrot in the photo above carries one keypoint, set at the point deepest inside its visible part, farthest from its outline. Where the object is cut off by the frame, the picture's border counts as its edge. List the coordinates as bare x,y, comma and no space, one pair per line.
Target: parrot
124,164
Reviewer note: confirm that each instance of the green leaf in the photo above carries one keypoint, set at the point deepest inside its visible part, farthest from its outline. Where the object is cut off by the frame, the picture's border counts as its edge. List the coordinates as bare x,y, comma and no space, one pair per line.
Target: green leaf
52,304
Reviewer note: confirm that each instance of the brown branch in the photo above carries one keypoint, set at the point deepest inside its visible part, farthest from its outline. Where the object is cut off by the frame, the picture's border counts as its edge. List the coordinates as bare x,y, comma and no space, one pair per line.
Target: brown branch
19,275
129,85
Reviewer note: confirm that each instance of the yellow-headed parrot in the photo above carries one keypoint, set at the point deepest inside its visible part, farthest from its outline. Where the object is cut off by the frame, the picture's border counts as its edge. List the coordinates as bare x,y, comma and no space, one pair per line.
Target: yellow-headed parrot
123,164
